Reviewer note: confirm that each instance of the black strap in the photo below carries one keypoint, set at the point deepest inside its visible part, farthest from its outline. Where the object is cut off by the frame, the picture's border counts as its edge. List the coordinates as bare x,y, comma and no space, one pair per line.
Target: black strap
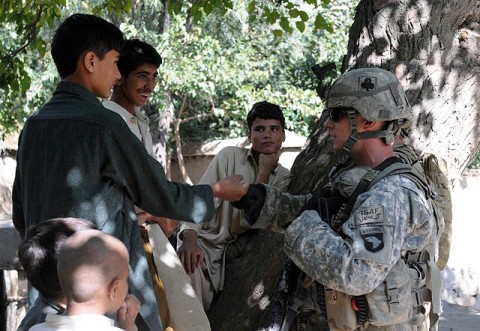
293,308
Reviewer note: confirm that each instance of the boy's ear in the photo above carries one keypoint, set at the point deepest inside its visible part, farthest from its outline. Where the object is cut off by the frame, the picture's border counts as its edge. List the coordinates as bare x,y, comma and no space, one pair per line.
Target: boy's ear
89,61
113,288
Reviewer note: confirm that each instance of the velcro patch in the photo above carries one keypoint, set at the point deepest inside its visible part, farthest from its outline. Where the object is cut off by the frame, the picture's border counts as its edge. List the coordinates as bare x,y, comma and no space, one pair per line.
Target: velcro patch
369,215
372,238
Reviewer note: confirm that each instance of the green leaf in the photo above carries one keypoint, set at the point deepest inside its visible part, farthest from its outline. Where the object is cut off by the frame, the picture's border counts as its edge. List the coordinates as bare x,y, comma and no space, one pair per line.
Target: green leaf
251,7
272,17
228,4
322,24
208,8
175,7
277,33
303,16
294,13
300,26
285,25
25,82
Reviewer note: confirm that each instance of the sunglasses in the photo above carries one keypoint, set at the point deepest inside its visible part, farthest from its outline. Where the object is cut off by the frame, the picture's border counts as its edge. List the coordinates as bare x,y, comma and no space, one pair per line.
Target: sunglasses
337,114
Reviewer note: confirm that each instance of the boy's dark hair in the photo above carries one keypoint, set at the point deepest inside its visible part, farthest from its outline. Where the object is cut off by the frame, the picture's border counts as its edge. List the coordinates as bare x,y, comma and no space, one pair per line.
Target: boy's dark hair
39,252
81,33
265,110
135,53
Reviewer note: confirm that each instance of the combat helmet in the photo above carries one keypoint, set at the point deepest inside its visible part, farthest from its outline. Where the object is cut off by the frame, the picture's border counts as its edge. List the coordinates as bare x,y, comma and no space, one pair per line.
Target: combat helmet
378,96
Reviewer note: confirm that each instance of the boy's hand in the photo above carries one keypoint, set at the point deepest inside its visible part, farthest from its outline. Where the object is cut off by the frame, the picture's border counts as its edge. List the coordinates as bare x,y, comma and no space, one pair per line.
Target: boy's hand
266,164
128,312
231,188
191,255
167,225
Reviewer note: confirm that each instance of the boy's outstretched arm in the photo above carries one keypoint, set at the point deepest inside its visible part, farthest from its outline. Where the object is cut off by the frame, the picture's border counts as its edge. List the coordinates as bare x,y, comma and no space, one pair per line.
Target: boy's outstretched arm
231,188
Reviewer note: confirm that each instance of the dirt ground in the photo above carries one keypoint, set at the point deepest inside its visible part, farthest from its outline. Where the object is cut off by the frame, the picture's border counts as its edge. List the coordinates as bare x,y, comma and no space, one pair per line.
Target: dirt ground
454,317
459,318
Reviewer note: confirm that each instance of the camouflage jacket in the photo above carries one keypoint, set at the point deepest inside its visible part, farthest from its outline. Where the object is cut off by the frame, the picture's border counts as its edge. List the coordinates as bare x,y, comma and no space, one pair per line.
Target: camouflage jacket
387,221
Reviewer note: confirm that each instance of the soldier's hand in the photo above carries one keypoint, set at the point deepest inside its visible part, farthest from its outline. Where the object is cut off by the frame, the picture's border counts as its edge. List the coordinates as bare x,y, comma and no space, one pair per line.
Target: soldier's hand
191,255
311,204
252,202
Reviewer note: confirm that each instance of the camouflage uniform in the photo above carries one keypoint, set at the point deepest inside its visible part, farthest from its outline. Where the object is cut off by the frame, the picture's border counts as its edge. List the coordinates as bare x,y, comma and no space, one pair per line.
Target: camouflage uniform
388,220
381,249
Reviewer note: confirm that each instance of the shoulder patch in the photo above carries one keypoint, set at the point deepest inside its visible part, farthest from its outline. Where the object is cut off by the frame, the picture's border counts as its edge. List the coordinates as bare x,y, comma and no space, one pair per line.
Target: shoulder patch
372,238
369,215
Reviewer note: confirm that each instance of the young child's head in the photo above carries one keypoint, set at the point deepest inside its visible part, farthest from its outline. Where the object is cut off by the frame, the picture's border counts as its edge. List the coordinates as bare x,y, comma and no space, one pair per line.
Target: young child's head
266,127
93,271
138,64
39,252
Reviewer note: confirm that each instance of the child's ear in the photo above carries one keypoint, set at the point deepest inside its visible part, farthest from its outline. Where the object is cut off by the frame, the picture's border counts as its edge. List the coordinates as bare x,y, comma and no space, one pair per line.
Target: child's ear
113,288
89,61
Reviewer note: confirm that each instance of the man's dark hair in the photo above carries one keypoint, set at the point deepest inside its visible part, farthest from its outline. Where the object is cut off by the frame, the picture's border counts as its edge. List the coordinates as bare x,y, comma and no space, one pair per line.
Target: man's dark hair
81,33
267,111
39,252
135,53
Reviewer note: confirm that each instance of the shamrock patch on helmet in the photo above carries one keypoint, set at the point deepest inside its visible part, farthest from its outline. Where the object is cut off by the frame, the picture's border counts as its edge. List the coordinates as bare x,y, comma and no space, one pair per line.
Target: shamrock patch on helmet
367,83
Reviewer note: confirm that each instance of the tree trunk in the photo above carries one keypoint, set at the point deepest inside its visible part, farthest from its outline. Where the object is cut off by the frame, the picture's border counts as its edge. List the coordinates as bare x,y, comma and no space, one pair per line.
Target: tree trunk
161,119
432,48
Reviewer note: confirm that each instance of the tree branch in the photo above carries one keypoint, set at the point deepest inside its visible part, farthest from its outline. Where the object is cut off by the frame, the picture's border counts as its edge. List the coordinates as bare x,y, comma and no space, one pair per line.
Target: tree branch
30,34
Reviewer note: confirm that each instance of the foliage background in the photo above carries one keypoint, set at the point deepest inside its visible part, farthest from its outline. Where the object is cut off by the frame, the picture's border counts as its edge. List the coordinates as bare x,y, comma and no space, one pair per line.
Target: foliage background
218,64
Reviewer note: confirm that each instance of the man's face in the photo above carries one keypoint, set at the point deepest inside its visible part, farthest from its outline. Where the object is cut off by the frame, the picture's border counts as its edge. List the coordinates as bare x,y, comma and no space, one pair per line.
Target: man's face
137,87
106,74
266,135
338,126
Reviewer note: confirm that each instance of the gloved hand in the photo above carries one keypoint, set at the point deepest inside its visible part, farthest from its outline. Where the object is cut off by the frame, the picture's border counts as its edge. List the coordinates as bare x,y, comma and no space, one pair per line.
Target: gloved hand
311,204
325,205
252,202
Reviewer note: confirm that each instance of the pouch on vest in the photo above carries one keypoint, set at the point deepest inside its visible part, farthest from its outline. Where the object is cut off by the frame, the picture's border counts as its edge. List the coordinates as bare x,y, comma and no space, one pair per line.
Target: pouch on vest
391,302
341,316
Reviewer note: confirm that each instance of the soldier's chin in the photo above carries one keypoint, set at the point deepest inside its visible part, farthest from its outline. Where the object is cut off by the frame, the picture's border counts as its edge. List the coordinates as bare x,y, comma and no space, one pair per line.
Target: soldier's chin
340,151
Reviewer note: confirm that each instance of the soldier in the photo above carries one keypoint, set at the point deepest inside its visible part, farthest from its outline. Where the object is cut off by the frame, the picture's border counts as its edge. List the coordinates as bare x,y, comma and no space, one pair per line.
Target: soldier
373,255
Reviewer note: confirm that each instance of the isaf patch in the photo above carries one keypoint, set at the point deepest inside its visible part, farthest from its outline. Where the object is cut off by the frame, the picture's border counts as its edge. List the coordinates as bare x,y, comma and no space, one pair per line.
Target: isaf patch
370,215
372,238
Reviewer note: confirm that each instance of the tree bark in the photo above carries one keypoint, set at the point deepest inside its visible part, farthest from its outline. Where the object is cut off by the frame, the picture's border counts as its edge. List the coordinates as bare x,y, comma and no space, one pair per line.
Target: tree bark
432,48
178,143
161,119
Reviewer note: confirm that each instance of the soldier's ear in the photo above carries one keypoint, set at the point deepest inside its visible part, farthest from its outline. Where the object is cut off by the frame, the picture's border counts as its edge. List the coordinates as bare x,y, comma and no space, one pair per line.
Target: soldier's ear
371,125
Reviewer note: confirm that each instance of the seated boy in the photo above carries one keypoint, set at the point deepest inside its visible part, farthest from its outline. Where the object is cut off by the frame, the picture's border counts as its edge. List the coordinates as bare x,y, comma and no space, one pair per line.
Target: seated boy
204,249
93,270
38,255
